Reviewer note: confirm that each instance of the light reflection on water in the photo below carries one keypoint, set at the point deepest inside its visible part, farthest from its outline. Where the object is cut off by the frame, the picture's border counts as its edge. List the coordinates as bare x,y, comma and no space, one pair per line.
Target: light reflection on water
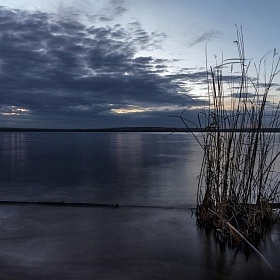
125,168
126,243
97,243
13,152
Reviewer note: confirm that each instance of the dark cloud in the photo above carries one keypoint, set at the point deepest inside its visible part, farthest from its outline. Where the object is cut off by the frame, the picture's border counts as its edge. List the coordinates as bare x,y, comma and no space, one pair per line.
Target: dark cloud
248,95
61,73
207,36
144,40
118,6
113,9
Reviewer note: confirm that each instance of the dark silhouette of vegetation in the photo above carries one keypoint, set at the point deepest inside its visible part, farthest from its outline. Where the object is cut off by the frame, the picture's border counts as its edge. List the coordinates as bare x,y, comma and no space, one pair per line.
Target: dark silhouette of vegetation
238,185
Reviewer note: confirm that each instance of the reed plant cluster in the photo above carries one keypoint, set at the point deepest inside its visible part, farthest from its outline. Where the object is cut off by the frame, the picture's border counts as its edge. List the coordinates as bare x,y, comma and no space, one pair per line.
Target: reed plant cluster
238,186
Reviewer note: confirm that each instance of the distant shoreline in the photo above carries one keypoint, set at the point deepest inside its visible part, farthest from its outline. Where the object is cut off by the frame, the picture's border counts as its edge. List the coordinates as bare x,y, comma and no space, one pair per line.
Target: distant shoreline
133,129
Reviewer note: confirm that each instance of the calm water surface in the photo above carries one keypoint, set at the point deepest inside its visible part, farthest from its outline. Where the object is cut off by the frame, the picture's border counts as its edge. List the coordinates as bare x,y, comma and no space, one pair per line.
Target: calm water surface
125,168
47,242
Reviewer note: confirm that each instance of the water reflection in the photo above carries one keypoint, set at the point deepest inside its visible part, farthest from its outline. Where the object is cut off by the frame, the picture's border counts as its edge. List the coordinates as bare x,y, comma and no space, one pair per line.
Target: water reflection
125,168
13,151
124,243
234,264
128,152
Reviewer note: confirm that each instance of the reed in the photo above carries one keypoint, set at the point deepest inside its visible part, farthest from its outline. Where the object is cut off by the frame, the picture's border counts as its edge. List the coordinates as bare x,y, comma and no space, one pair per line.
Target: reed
238,183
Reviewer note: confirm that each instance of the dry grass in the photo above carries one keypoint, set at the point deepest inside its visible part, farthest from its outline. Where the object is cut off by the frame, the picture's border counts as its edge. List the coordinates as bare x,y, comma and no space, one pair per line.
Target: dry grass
237,183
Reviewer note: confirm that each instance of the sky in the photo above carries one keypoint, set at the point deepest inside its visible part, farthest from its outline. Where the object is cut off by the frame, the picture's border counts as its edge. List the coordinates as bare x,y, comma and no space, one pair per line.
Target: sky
120,63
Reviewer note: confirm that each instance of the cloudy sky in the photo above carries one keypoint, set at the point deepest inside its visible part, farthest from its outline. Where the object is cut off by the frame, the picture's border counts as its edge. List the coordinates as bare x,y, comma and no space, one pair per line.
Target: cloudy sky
112,63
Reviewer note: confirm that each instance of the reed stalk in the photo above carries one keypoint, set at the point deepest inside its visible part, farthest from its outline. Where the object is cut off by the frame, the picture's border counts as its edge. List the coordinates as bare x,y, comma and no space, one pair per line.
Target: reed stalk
238,183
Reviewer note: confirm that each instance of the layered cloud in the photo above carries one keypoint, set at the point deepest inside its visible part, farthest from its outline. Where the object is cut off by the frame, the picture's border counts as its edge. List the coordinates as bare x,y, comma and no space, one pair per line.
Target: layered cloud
209,35
58,72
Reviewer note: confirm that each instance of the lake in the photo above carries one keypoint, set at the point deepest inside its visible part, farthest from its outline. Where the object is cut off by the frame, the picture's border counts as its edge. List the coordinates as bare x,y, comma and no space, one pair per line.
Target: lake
124,168
152,235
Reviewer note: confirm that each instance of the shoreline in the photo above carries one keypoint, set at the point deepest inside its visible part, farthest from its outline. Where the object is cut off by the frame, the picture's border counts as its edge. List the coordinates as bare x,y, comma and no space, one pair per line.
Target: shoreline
137,129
